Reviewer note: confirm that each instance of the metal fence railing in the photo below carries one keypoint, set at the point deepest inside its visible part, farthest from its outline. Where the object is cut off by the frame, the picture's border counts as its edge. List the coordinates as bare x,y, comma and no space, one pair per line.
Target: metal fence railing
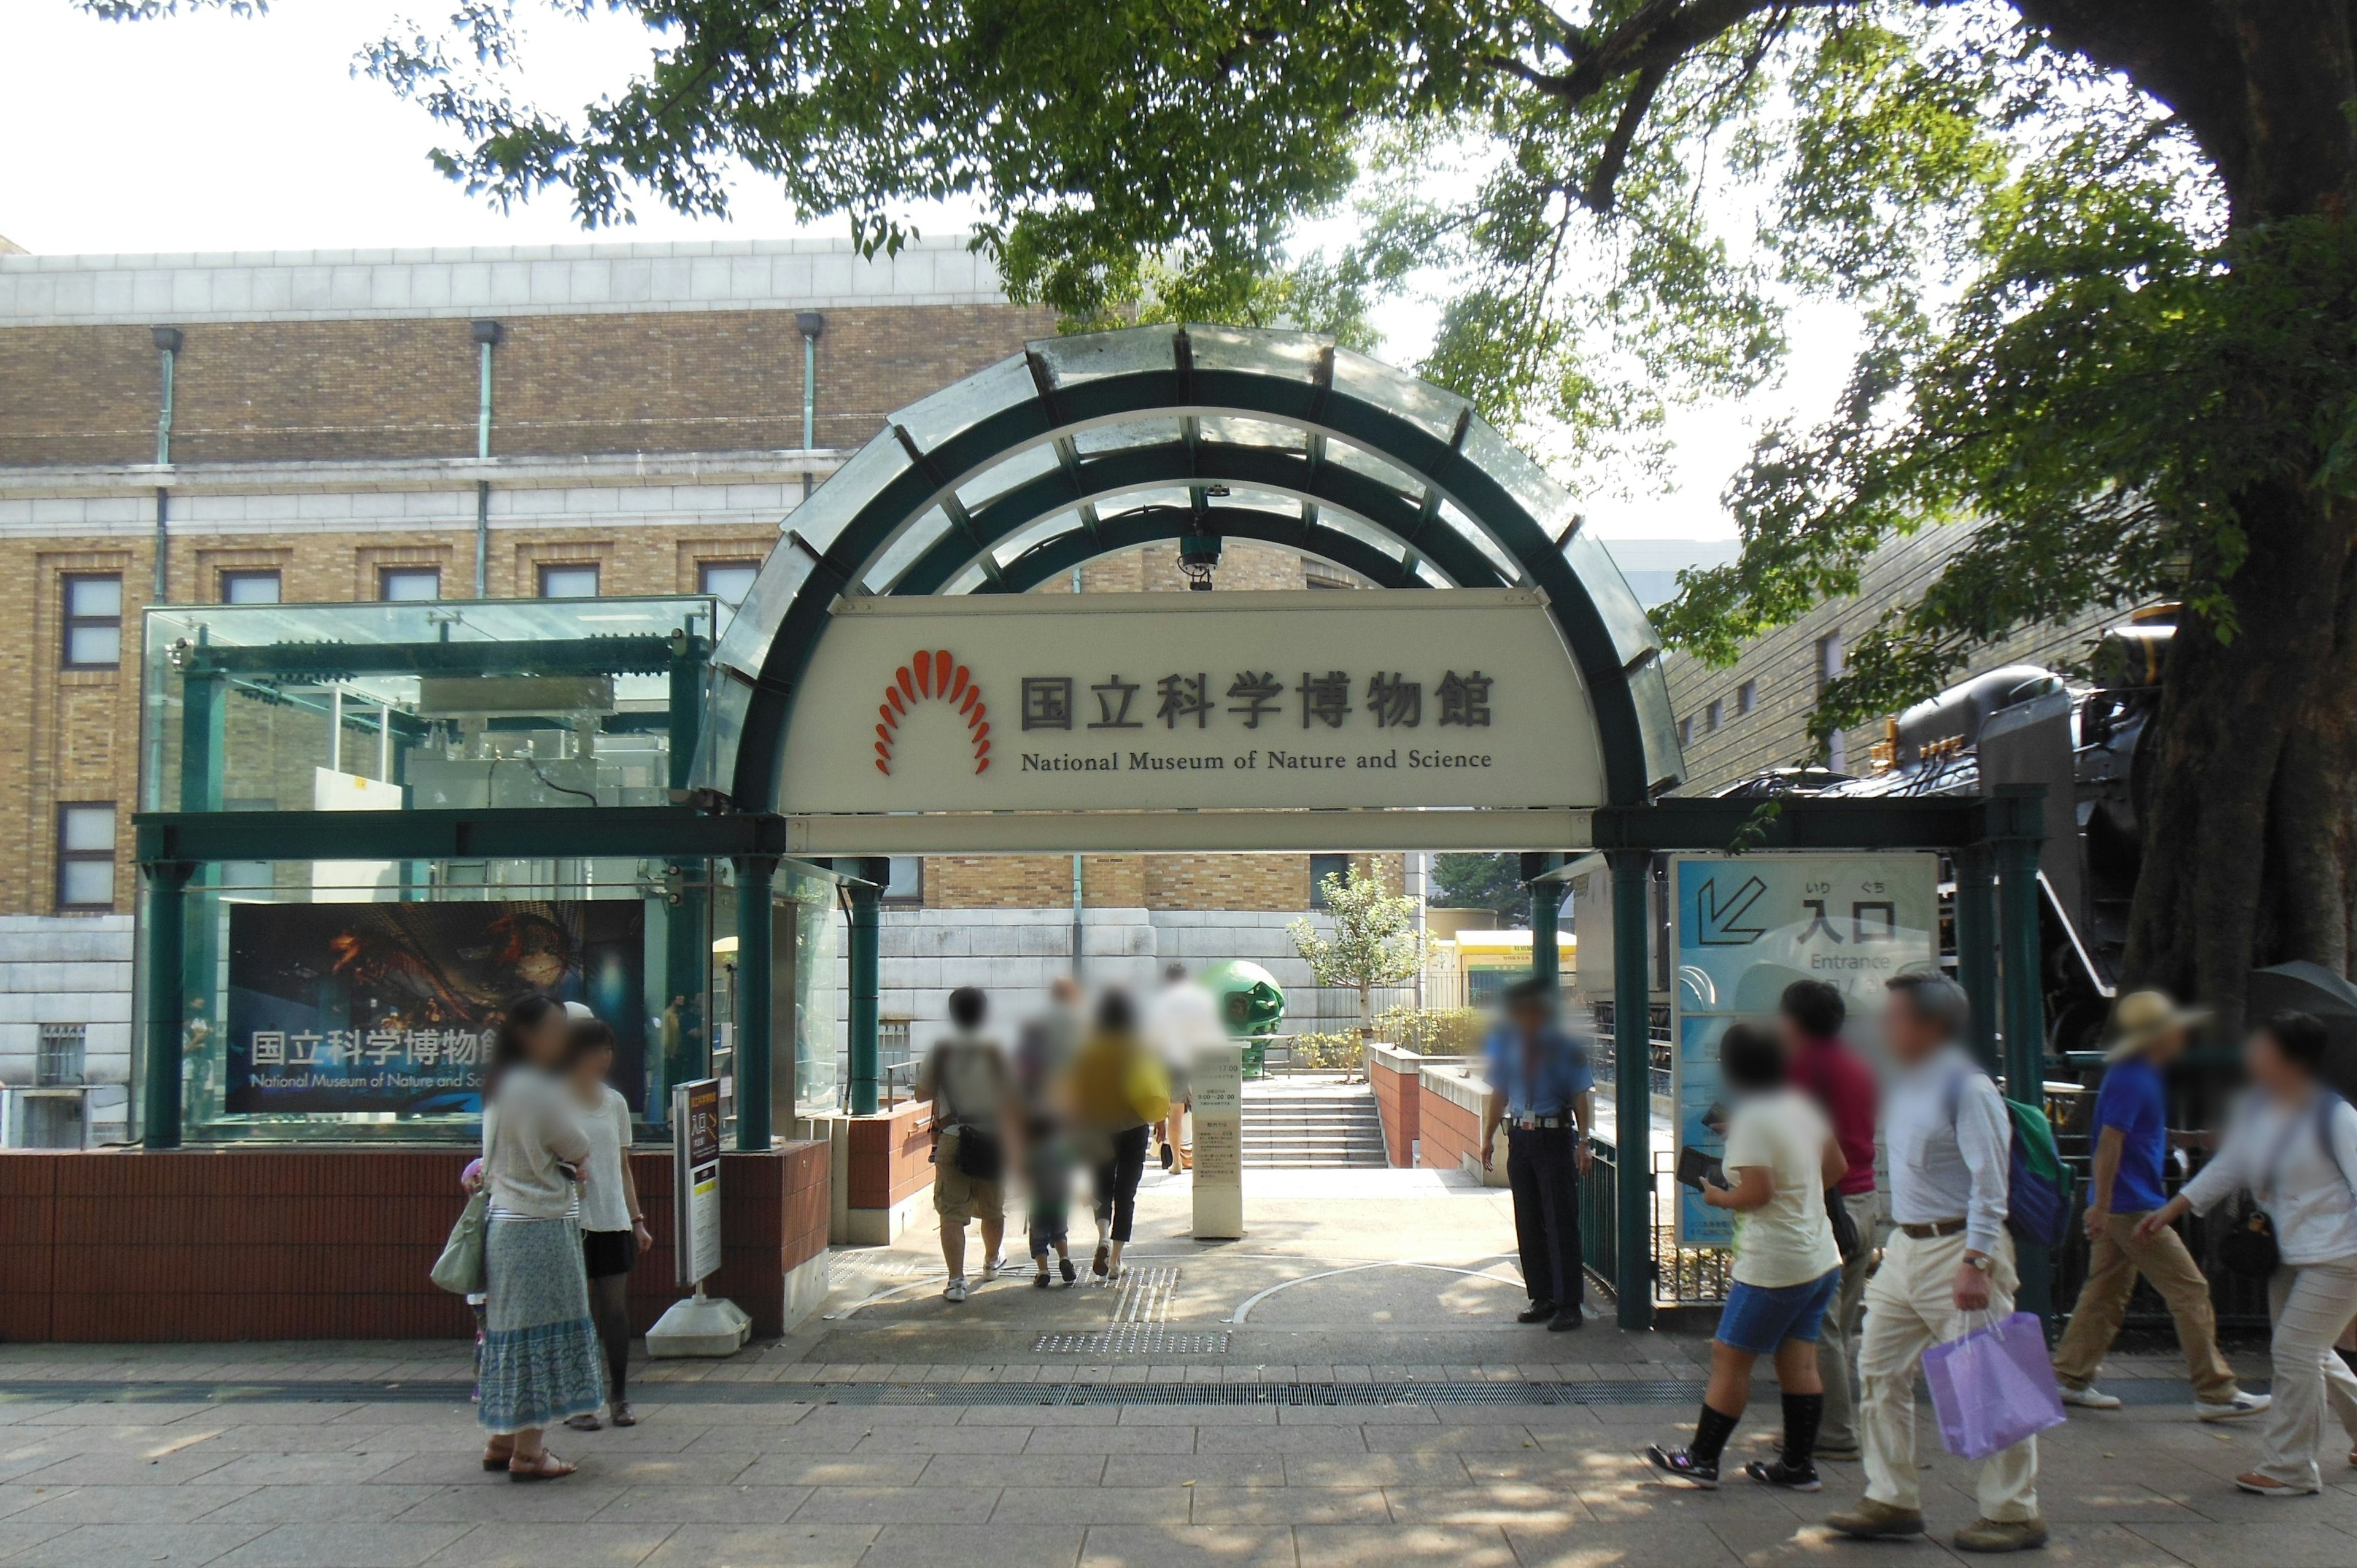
1599,1215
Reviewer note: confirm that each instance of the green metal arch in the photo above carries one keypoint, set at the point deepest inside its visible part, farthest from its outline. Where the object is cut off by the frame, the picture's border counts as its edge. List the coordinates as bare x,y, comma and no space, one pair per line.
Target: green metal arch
1061,388
1152,525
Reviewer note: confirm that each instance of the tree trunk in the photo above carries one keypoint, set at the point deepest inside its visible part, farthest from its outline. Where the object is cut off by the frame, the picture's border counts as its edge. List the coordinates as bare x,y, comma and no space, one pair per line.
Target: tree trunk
2248,827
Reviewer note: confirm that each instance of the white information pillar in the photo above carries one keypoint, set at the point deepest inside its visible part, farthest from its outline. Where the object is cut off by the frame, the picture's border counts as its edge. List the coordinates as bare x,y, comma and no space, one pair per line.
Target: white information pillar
701,1325
1217,1082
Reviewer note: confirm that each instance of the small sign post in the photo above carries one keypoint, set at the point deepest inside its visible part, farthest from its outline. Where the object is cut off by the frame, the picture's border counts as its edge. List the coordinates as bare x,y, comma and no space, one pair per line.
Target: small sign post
701,1325
1217,1080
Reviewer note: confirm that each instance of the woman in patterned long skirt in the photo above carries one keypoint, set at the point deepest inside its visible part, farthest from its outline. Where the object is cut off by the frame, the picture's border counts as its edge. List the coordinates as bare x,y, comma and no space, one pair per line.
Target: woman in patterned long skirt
540,1360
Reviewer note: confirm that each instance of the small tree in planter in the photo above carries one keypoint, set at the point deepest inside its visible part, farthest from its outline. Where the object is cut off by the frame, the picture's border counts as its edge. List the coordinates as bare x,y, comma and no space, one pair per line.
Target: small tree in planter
1375,940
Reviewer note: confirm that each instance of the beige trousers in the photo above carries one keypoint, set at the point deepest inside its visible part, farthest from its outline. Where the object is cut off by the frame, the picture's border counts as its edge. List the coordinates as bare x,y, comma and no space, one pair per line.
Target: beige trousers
2113,1264
1909,1308
2310,1304
1837,1345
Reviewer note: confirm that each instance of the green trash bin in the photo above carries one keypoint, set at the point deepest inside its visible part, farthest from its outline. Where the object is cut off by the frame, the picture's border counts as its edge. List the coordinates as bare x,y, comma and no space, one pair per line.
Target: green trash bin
1252,1006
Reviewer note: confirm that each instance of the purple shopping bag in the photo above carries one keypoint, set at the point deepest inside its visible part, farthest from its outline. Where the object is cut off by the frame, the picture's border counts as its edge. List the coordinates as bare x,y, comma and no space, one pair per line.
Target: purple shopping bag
1994,1387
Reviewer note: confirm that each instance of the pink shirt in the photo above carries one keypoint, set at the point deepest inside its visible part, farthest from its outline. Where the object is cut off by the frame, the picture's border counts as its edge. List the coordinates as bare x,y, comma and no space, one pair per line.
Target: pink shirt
1833,1076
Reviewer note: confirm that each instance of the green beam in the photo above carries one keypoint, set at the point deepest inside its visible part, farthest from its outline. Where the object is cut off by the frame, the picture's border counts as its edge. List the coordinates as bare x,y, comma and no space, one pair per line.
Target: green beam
1546,912
1719,826
2025,1025
1632,1098
633,655
166,921
1977,945
457,834
755,874
867,949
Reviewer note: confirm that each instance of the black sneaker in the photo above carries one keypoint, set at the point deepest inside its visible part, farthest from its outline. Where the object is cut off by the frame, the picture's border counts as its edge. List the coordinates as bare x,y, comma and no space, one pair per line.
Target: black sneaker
1102,1261
1565,1320
1039,1279
1537,1312
1776,1473
1069,1272
1679,1465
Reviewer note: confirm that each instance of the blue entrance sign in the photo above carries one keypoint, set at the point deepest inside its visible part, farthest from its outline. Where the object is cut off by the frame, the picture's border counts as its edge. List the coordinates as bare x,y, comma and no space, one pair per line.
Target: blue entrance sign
1748,926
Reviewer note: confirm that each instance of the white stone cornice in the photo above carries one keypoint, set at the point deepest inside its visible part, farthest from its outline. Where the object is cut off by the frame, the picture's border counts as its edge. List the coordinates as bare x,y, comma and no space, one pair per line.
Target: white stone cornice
608,469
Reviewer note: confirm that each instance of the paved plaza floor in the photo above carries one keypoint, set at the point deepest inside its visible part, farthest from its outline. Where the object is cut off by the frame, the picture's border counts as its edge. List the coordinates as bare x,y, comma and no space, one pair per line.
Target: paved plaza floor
1342,1387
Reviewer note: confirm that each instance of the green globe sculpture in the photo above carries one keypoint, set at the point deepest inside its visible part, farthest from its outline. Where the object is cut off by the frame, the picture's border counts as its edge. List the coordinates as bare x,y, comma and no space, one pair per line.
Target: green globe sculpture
1252,1005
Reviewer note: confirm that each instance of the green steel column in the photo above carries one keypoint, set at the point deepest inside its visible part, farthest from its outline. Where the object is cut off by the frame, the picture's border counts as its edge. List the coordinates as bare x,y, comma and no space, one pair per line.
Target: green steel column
166,919
754,873
1632,1130
687,951
866,965
1976,944
2024,1023
1546,910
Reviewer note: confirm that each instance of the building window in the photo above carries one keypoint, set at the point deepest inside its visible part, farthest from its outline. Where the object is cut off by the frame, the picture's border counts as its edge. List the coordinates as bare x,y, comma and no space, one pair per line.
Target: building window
1686,731
1322,867
86,855
244,587
63,1053
93,620
728,581
1746,697
905,882
1713,715
1829,659
408,583
573,580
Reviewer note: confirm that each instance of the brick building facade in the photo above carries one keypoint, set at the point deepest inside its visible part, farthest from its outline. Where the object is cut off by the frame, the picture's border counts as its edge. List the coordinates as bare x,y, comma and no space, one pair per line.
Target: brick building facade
324,441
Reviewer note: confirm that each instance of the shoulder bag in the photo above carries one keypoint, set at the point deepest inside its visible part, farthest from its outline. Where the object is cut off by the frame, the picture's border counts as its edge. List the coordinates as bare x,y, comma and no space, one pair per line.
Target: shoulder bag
2249,1247
459,1269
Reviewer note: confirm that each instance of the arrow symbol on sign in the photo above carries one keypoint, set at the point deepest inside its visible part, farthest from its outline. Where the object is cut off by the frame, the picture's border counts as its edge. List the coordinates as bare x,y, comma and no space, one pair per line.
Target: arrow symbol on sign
1717,919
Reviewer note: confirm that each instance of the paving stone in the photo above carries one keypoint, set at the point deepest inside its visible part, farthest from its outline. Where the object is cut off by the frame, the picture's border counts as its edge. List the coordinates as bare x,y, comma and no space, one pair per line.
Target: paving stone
313,1543
1187,1546
759,1546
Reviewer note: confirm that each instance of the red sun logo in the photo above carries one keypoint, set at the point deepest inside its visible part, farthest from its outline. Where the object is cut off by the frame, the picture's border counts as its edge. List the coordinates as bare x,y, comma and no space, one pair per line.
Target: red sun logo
933,675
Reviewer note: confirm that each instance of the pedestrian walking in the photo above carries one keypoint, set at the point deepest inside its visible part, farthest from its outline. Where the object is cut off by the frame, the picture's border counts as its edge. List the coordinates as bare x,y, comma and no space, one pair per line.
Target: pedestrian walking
1043,1054
2131,1130
613,1223
1182,1020
1541,1091
1118,1092
1949,1266
1782,1156
964,1075
2292,1145
540,1362
1809,1018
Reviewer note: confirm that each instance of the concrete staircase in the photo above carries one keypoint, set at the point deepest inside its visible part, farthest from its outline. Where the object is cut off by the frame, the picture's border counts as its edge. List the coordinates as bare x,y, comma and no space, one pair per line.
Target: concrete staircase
1321,1124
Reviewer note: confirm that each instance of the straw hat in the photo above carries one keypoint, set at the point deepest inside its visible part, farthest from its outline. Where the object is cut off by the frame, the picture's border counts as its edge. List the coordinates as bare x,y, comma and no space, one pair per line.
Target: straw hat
2143,1016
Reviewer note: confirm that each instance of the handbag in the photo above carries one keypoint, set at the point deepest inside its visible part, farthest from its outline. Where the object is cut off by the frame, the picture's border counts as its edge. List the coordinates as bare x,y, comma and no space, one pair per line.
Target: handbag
980,1155
459,1269
1846,1235
1993,1387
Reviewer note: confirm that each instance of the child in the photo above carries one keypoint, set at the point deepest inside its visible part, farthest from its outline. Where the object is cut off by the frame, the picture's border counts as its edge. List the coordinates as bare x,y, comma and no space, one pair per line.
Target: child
1048,1169
1783,1158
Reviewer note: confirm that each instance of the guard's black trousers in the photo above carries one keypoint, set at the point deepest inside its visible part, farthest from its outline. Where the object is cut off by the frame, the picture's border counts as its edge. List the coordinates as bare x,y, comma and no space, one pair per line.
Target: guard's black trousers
1541,1171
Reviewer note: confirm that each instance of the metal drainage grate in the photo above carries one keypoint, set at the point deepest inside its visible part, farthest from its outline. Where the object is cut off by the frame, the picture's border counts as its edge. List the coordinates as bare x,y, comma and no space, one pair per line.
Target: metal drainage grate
1132,1339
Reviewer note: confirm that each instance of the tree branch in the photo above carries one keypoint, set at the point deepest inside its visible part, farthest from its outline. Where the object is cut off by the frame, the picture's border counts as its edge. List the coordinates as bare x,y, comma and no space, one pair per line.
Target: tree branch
1598,195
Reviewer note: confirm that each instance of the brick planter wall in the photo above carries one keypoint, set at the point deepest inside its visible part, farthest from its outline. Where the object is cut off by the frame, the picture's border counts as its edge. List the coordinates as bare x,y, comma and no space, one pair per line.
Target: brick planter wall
290,1243
1391,1073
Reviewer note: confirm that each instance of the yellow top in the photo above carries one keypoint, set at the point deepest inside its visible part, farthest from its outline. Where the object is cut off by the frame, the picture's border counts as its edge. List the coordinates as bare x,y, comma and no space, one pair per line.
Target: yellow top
1117,1083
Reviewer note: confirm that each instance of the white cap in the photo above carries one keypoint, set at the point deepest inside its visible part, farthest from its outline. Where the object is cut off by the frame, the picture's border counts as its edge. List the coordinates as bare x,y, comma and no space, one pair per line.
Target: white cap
576,1011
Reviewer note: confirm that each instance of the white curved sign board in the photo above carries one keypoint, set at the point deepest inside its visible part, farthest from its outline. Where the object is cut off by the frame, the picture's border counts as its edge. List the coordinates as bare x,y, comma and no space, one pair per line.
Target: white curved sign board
1239,701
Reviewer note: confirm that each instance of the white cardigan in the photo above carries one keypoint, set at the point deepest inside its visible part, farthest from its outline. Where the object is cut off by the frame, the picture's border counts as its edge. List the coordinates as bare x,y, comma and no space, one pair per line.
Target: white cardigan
2274,1153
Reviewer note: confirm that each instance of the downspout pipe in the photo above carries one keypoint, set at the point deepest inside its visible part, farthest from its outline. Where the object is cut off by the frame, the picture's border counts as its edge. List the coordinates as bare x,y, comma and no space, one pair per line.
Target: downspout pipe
168,342
487,338
813,324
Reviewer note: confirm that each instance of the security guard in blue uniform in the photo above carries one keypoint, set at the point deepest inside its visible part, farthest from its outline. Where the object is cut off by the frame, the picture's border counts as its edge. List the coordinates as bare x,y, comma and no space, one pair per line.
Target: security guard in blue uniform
1542,1091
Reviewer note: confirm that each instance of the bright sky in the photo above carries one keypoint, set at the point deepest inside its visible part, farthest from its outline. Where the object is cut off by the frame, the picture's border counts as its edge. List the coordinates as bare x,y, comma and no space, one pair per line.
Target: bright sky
207,132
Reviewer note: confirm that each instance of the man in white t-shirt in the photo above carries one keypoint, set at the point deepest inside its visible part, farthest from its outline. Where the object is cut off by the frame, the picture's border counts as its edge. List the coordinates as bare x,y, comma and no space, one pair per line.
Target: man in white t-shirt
1182,1019
1780,1157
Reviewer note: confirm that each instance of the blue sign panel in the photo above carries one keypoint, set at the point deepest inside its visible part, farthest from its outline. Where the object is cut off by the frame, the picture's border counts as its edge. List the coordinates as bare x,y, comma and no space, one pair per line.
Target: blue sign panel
1748,926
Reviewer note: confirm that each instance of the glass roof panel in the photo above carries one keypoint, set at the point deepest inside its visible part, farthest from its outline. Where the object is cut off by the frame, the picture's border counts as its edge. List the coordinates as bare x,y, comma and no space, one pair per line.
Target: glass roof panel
1456,517
1122,435
1090,356
1632,630
915,540
935,420
821,518
1243,431
1044,529
1259,500
1020,468
1549,505
1359,460
1375,538
967,581
1420,403
1292,354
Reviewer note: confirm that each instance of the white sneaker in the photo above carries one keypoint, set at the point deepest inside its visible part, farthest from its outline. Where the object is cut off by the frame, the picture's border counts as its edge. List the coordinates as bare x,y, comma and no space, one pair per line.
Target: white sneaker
955,1291
2242,1404
990,1270
2090,1398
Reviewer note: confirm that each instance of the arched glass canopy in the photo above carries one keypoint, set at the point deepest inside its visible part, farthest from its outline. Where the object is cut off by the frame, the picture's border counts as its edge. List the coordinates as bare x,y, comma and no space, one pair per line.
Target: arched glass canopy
1082,446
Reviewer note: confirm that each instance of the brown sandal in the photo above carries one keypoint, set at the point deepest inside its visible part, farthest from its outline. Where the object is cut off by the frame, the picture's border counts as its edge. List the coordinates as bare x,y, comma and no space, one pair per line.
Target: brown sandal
493,1461
547,1468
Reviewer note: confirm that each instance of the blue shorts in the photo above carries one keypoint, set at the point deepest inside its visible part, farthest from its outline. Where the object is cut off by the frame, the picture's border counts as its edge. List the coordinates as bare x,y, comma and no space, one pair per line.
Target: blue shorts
1758,1318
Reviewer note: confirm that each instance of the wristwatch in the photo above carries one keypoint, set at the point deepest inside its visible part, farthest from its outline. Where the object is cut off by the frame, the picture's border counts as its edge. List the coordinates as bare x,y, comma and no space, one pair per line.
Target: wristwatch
1980,1261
